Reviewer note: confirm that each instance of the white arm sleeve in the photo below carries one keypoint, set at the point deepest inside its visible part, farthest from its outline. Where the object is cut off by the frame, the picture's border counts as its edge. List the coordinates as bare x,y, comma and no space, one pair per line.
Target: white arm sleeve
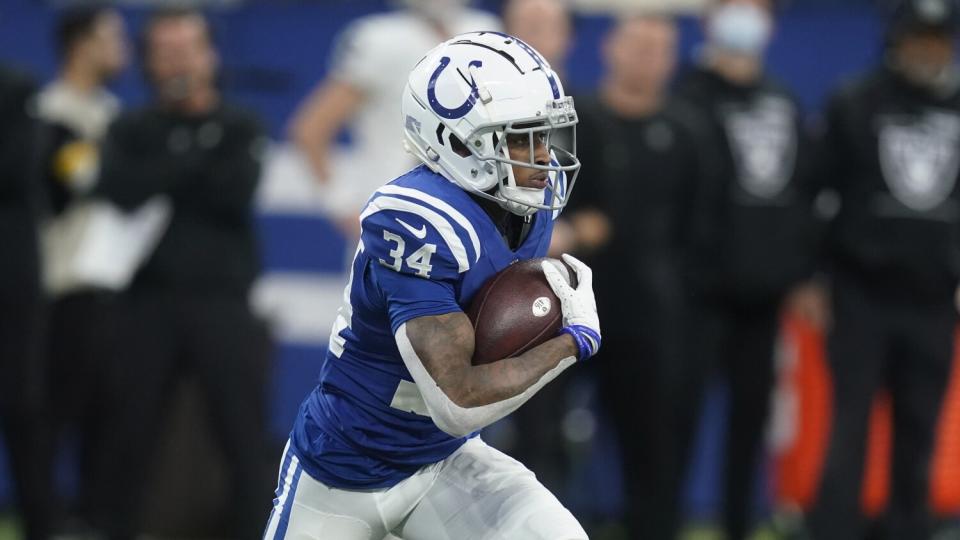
451,418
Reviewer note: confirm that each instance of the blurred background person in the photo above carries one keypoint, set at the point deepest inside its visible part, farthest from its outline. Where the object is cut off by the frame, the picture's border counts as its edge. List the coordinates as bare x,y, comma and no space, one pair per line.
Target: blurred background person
545,25
640,164
22,385
892,150
186,312
77,108
369,70
751,238
77,105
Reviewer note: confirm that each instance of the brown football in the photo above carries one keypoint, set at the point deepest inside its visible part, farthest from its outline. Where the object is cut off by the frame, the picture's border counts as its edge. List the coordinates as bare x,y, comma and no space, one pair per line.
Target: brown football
516,311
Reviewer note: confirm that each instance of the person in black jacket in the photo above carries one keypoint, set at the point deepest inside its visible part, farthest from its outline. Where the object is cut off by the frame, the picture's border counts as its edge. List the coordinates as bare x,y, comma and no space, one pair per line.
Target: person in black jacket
751,237
22,387
892,153
187,310
641,156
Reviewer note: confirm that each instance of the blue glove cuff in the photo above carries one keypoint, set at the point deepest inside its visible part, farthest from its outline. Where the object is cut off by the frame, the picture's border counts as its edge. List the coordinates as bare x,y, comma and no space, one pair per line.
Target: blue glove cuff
587,339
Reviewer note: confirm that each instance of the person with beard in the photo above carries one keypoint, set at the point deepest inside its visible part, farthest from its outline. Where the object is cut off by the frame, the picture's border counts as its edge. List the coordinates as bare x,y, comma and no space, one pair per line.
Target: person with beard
640,153
752,237
76,109
186,313
369,69
891,153
22,381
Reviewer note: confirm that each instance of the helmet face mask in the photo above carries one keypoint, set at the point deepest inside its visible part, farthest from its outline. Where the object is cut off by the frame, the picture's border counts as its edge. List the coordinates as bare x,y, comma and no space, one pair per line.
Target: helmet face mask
525,136
512,112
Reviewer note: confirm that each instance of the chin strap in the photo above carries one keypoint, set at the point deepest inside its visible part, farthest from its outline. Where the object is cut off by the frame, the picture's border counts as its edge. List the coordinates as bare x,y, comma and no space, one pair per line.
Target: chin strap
512,200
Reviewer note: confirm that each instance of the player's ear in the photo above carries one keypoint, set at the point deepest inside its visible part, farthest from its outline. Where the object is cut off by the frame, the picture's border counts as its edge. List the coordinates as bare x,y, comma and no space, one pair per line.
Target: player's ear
458,146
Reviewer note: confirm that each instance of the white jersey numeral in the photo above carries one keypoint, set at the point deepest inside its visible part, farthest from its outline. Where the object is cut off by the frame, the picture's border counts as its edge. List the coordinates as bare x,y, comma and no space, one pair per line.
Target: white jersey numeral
397,253
419,260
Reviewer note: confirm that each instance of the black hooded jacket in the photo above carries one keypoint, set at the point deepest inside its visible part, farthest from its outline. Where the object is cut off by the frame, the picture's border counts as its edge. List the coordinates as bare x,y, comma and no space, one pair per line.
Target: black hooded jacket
891,151
752,230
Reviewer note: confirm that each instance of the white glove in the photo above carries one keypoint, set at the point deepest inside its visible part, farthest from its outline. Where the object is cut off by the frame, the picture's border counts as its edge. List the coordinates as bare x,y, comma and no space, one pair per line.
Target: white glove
579,306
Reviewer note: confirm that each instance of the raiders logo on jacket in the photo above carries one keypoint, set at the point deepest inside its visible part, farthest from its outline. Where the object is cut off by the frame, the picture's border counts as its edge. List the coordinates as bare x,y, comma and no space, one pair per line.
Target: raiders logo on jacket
918,156
753,235
762,136
892,153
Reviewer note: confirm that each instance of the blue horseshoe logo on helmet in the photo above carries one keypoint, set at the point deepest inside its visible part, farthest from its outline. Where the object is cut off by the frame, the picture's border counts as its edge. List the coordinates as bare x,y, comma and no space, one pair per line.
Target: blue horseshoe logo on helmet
467,105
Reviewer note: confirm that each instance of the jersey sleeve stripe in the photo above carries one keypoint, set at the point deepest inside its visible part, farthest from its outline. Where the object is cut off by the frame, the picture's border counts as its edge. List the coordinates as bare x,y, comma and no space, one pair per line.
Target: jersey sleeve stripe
441,205
438,222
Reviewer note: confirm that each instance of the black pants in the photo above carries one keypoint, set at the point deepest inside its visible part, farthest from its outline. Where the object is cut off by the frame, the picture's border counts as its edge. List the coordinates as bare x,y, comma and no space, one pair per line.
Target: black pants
906,347
22,409
633,391
738,341
81,343
167,337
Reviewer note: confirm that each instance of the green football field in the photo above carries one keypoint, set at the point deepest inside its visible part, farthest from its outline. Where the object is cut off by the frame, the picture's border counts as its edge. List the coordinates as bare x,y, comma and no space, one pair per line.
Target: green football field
8,529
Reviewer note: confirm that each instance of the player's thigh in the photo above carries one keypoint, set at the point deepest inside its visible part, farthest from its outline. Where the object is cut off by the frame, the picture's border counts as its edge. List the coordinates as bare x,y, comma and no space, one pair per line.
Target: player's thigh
483,494
306,509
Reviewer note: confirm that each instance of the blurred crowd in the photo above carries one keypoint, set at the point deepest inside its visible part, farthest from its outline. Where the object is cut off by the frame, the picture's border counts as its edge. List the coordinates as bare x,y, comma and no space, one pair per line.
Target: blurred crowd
709,204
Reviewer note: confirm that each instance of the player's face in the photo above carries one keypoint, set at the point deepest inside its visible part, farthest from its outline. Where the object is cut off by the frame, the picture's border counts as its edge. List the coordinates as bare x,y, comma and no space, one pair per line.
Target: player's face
642,52
180,57
518,145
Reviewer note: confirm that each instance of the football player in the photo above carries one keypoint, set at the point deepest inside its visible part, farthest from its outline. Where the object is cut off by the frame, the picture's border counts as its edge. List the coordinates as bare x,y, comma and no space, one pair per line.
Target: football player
387,442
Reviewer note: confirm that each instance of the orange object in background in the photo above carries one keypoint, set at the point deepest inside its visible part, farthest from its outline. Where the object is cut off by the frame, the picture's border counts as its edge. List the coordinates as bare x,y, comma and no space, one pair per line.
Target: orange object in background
800,454
945,466
876,467
804,383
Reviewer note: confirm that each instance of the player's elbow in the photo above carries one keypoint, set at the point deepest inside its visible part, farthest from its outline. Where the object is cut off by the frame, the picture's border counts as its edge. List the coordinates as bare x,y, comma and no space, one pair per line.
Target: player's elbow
453,427
452,412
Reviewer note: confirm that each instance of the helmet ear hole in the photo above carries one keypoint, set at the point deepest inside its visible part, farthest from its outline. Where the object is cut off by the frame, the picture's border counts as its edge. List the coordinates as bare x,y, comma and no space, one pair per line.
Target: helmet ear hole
458,147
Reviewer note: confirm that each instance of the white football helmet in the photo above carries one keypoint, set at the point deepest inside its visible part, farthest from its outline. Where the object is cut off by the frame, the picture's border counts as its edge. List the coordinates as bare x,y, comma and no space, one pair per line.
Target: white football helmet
467,95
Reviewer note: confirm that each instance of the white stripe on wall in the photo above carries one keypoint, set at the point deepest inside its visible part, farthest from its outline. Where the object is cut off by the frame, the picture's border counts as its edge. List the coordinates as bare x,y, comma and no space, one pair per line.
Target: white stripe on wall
301,307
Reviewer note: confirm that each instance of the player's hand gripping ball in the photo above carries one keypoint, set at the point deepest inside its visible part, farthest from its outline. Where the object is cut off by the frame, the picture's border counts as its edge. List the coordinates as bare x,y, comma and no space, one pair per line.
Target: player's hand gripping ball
519,309
580,319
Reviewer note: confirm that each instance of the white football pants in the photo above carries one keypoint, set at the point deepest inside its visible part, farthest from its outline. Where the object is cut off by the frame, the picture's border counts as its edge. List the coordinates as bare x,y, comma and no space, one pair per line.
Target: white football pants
478,493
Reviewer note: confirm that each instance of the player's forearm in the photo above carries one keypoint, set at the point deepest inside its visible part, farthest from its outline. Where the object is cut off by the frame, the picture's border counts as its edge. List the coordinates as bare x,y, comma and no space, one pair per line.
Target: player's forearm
462,398
319,120
504,379
444,345
314,144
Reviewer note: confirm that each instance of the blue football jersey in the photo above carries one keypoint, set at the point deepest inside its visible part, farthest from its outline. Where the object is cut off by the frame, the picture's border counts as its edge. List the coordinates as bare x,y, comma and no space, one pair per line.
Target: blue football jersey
426,248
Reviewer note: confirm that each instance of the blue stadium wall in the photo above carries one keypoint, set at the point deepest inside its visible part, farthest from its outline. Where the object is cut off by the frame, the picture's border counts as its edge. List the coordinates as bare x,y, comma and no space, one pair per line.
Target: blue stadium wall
274,52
